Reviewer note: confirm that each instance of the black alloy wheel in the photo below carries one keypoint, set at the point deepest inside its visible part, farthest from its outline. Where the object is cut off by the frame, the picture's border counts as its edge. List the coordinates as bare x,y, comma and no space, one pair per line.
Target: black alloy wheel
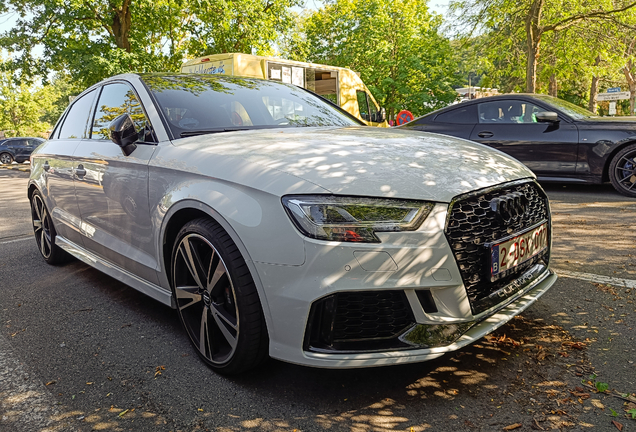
5,158
45,231
622,171
216,299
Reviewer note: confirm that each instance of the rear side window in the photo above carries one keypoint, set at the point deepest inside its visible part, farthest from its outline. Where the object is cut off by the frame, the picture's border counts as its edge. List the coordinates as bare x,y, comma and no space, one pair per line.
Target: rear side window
74,125
460,115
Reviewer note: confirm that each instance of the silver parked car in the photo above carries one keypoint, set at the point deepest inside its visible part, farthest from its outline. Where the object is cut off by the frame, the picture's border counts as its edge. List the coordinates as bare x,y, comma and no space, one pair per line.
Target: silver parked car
277,225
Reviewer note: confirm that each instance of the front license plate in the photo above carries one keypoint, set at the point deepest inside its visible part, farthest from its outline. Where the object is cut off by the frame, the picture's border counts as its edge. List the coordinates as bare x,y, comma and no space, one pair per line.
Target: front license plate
517,250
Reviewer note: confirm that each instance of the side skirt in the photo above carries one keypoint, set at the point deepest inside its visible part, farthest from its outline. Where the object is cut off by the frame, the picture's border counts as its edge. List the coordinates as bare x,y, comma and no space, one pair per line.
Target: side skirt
114,271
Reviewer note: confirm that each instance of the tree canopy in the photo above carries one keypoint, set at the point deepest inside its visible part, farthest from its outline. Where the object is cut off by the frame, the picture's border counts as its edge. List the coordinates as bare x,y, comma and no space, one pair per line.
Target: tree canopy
403,52
93,39
396,46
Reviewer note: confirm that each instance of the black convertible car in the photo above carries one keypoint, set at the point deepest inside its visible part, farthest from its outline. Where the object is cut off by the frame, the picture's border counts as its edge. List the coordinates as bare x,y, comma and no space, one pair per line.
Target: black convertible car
557,140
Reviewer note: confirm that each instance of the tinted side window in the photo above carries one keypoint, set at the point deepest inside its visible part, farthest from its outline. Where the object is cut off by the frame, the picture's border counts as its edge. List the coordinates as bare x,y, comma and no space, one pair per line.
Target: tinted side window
75,122
115,100
508,112
363,105
460,115
372,108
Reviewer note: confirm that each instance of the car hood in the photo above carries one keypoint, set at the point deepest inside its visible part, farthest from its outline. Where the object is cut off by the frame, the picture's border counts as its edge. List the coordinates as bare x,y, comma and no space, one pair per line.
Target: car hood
367,161
629,121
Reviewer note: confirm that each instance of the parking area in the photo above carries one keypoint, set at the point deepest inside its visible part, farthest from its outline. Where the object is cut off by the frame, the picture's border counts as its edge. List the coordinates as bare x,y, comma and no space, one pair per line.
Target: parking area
81,351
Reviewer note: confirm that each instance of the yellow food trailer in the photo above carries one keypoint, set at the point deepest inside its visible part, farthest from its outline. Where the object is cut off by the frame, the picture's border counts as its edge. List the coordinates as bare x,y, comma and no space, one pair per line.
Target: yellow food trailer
341,86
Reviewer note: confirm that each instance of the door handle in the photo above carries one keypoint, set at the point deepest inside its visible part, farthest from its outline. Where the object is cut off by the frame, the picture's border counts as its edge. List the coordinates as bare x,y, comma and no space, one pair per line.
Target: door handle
485,134
46,166
80,171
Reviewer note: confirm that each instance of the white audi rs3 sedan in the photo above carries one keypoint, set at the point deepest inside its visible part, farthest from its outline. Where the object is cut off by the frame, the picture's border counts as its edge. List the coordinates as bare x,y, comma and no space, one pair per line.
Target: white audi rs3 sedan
277,225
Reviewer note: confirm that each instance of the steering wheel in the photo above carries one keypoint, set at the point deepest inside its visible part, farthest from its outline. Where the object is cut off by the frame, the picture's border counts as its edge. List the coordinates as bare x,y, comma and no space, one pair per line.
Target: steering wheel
281,121
236,119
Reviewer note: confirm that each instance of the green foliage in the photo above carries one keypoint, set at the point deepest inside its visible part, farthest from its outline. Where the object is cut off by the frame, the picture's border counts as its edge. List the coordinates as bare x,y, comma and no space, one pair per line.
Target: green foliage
93,40
24,108
601,387
396,46
560,41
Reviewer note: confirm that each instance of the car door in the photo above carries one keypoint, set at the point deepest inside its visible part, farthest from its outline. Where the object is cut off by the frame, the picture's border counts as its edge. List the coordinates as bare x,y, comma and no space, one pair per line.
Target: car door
509,125
56,166
17,147
112,186
457,121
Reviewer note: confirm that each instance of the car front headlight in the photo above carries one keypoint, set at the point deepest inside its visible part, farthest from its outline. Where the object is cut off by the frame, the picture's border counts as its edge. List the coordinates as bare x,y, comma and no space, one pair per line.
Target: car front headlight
353,219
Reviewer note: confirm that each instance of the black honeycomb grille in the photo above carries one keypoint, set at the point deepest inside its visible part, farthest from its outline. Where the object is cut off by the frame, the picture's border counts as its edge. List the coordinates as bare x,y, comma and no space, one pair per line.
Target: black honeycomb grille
472,225
370,315
359,321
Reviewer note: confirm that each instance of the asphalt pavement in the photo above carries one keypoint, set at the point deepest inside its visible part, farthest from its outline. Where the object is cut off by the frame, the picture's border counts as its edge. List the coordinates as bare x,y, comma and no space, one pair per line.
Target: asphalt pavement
81,351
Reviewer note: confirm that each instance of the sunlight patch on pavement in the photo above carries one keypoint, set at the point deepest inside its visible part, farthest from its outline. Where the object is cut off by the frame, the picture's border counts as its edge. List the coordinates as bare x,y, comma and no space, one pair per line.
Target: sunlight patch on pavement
16,240
25,404
618,282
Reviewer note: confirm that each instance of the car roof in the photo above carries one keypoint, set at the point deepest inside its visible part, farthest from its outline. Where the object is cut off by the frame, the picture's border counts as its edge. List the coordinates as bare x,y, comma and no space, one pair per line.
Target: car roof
522,96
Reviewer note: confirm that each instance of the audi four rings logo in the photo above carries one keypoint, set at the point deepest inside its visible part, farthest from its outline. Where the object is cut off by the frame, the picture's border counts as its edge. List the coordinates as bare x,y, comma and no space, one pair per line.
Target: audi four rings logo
509,207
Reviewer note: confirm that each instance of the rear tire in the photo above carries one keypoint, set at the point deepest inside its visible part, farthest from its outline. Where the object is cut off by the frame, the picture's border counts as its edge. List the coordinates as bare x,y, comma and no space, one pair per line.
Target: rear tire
45,231
216,299
622,171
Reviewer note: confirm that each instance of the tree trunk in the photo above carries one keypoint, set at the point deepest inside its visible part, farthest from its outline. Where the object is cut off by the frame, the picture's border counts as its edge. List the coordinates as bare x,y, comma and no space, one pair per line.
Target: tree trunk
533,41
122,22
593,92
630,75
553,87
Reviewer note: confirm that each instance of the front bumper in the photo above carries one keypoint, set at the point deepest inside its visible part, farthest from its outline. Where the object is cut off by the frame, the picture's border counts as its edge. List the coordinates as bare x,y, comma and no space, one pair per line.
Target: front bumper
410,264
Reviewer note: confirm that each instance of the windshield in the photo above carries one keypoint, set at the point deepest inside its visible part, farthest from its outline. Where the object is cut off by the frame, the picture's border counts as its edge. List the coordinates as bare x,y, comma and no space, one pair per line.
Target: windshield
574,111
196,104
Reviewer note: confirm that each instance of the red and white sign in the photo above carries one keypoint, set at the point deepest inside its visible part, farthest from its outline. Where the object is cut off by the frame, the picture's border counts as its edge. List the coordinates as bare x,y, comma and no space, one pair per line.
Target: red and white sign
404,116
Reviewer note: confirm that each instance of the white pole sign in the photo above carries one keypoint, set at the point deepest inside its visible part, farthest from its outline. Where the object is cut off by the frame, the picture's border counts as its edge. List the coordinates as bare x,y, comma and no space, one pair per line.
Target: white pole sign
612,96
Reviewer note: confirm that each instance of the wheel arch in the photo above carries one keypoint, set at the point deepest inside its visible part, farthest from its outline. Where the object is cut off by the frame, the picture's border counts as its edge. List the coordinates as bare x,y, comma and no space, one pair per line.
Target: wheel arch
187,210
9,152
605,176
30,190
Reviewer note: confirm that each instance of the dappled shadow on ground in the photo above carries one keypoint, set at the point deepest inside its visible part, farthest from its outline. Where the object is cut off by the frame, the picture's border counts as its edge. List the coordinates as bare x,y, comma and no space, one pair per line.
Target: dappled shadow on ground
503,379
525,373
594,230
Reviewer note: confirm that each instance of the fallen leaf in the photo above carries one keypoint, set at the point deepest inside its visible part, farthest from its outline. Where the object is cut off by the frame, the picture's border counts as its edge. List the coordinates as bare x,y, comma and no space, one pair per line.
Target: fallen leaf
121,414
50,383
618,425
513,426
580,394
574,345
598,404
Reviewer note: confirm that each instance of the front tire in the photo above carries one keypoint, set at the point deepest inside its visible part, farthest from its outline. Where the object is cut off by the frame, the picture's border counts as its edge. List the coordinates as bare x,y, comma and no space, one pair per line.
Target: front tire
622,171
216,299
6,158
45,231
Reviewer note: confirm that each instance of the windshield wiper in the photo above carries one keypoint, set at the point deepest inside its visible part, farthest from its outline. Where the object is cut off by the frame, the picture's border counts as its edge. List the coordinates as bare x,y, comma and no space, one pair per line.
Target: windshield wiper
191,133
211,131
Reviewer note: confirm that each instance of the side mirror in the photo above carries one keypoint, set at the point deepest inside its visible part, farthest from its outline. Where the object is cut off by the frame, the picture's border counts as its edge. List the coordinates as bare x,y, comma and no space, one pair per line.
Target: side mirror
122,131
379,117
547,117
